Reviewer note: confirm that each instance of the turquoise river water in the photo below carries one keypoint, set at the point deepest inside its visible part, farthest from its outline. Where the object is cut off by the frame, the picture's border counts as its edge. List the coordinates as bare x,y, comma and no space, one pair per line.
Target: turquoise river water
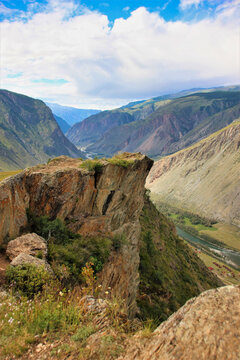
230,257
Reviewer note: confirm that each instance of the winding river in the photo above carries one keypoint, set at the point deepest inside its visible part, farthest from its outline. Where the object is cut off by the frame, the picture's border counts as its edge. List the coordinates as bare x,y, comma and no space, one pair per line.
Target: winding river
230,257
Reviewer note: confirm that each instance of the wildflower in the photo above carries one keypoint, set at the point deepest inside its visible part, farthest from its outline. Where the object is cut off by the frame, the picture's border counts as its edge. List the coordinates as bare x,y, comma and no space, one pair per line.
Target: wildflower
106,292
10,320
60,293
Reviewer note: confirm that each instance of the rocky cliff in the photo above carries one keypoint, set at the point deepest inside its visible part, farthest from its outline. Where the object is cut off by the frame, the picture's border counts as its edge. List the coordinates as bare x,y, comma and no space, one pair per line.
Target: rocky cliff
108,202
203,178
106,198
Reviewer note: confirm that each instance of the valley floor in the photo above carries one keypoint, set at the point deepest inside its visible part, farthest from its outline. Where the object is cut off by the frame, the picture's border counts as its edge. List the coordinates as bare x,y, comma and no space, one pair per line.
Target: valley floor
229,276
216,244
227,233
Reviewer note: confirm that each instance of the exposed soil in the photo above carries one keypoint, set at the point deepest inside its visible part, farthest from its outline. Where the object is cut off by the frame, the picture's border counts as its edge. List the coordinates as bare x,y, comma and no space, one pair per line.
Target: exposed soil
4,262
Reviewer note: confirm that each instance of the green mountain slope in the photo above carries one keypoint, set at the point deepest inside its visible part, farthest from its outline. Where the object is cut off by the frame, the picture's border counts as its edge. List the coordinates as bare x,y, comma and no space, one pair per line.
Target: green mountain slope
181,94
170,272
204,178
29,134
172,126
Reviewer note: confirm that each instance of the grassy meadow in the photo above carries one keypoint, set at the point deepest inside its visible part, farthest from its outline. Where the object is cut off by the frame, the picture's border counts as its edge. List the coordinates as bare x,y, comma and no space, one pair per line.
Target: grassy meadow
5,174
226,233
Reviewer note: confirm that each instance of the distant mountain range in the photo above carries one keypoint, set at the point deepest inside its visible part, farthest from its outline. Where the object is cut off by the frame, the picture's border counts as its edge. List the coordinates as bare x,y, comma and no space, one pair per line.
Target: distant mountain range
71,115
29,134
158,126
64,126
203,178
184,93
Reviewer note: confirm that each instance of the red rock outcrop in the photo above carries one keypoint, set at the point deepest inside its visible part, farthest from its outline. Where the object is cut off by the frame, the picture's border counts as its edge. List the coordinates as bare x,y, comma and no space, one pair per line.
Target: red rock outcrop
91,202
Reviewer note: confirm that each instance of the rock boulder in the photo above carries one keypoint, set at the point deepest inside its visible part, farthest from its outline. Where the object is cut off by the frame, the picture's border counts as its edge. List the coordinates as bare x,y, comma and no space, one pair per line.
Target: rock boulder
31,244
205,328
23,259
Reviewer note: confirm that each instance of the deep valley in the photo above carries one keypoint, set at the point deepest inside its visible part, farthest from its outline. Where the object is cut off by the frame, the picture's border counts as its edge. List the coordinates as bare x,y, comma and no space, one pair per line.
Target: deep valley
91,261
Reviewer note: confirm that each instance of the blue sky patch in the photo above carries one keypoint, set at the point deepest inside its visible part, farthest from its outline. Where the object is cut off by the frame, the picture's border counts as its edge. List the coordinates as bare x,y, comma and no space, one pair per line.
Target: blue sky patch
170,10
50,81
14,76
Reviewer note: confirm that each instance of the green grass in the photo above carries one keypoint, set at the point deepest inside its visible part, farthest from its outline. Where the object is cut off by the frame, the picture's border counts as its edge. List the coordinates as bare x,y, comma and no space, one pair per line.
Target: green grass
69,252
5,174
22,320
183,217
83,333
92,165
198,227
170,273
61,321
121,160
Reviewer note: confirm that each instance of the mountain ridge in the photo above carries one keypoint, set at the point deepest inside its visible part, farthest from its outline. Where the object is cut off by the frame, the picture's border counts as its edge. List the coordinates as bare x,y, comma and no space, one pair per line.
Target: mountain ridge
29,133
163,131
203,178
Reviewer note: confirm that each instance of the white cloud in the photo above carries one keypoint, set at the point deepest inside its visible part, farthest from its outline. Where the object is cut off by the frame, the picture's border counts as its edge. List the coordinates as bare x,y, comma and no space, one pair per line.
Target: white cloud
186,3
141,56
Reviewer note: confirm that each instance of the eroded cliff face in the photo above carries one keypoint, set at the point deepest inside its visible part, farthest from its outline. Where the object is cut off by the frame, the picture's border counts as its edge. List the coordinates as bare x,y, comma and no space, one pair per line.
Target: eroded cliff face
203,178
106,202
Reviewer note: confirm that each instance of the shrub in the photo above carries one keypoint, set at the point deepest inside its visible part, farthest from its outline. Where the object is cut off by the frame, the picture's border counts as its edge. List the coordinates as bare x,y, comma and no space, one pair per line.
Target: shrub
47,228
120,160
77,253
118,242
83,333
71,250
92,165
27,279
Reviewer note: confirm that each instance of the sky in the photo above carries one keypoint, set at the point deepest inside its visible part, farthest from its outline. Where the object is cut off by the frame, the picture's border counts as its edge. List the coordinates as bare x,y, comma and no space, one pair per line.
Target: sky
104,54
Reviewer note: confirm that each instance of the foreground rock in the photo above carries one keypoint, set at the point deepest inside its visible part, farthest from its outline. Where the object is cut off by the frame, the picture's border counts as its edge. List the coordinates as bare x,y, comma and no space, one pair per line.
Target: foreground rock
205,328
31,244
23,259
